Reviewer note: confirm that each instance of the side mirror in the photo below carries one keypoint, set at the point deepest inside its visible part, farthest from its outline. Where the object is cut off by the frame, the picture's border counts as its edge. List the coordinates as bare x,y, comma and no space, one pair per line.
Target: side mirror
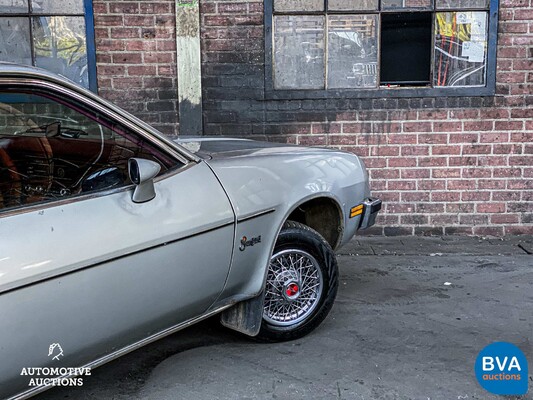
142,173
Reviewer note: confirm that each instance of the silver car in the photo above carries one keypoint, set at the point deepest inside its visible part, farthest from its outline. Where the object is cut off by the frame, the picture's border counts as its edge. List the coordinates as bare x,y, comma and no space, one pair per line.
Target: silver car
113,236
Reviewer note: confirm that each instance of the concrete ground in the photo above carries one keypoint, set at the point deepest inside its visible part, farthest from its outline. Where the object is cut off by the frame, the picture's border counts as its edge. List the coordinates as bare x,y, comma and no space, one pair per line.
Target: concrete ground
410,318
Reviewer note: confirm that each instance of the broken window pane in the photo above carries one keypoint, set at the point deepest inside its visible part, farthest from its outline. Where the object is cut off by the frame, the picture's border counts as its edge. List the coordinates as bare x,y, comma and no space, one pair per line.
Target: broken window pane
460,49
406,46
60,46
299,52
352,5
14,6
298,5
418,4
57,7
15,40
462,4
352,51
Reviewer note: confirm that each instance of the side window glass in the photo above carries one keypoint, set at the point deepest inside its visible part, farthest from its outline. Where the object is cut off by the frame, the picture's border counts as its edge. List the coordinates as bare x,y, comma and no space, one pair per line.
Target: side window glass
51,149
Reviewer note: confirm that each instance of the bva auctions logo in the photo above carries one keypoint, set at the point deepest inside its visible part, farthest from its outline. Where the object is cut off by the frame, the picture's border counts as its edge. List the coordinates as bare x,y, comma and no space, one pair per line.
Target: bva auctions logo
55,348
501,368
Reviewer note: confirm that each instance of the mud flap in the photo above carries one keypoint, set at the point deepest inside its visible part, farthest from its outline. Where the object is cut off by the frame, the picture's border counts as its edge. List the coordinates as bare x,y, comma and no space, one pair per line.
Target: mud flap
246,316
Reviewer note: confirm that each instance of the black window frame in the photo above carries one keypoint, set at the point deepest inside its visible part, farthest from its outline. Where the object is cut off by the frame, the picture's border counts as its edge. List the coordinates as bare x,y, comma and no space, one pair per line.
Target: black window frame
401,92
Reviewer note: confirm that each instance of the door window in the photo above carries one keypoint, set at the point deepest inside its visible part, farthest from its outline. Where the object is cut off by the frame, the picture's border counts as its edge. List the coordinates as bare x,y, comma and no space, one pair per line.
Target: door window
51,150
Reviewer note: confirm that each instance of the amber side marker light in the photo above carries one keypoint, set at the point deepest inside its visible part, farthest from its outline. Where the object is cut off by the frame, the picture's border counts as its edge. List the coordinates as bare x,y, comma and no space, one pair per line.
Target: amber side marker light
355,211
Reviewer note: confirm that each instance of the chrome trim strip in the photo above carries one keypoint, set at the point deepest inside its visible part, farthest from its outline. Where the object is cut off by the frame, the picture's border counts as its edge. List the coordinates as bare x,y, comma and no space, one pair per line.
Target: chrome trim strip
125,350
256,215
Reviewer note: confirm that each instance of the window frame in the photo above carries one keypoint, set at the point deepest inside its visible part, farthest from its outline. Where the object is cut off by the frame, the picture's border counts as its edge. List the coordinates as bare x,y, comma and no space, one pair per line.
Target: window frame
88,16
402,92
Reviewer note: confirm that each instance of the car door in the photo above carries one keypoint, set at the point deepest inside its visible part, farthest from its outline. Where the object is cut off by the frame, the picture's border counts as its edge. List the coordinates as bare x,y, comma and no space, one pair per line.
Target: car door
81,264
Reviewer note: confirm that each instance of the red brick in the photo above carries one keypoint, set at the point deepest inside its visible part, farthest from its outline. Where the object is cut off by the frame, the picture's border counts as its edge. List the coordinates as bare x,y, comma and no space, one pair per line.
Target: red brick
464,138
399,208
446,150
432,138
402,162
431,184
415,196
475,196
231,8
509,125
445,196
461,184
127,58
402,139
417,127
476,149
445,219
415,150
491,184
446,126
505,219
478,126
476,172
488,231
123,7
490,207
446,173
401,185
384,151
415,173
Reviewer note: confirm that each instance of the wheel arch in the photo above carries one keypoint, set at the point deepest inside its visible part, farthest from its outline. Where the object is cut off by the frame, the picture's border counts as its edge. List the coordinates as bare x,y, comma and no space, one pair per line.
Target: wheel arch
323,213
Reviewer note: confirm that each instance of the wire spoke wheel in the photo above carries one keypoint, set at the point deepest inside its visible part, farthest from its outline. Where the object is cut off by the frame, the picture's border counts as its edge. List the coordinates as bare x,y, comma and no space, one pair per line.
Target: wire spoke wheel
293,288
301,284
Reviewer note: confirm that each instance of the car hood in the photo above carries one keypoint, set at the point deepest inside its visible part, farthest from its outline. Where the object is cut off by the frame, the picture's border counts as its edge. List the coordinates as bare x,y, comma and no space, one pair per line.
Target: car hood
208,148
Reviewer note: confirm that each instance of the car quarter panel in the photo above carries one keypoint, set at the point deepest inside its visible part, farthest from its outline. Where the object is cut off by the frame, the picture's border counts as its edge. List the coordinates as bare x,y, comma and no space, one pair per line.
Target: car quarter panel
266,185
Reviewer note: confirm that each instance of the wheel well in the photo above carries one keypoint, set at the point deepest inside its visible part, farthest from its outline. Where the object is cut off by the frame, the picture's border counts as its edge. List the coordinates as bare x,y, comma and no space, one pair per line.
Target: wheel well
323,215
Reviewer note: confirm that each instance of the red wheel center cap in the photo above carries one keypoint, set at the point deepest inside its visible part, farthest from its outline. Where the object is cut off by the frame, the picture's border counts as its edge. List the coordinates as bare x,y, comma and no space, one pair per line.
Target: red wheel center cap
292,289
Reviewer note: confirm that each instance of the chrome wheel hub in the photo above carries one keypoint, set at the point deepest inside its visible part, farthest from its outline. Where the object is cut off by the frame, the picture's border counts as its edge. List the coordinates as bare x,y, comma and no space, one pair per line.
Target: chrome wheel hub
293,288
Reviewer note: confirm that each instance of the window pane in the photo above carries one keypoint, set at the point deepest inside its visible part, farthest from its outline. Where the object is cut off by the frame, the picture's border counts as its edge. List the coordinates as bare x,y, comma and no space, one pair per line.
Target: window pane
350,5
352,51
406,48
462,4
299,52
15,40
57,7
14,6
298,5
460,49
60,46
392,4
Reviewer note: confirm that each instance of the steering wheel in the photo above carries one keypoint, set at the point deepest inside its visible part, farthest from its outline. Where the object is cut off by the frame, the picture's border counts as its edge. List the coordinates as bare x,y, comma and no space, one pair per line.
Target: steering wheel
10,188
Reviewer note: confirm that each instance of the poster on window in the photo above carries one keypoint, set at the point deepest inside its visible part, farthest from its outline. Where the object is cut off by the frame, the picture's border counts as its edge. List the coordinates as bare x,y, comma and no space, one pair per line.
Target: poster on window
460,49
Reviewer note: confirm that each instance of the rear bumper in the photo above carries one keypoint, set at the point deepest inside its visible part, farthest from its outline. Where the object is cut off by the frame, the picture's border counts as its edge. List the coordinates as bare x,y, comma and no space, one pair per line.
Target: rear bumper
370,209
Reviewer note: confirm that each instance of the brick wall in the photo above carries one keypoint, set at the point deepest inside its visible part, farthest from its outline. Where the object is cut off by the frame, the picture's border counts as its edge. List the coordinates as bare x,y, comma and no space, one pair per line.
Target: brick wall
136,58
442,165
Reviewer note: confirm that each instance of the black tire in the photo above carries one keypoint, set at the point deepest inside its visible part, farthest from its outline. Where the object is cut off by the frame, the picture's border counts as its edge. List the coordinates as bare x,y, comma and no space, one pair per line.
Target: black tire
315,254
